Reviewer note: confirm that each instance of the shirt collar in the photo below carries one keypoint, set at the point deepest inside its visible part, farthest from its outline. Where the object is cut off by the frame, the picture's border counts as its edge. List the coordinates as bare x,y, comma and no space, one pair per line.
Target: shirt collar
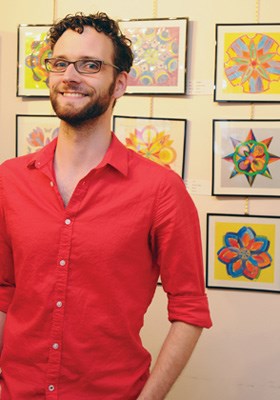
116,156
43,156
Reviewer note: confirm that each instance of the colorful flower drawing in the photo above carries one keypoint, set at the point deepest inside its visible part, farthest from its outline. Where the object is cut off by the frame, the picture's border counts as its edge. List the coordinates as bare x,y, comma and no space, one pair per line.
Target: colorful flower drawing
155,56
245,254
39,50
40,137
253,62
153,145
251,157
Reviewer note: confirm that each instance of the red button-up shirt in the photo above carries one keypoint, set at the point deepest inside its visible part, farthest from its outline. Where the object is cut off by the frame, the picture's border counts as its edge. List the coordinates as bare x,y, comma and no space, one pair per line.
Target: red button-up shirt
76,281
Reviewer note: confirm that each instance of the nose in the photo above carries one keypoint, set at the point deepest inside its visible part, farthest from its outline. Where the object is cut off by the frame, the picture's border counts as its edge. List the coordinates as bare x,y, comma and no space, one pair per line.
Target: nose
71,74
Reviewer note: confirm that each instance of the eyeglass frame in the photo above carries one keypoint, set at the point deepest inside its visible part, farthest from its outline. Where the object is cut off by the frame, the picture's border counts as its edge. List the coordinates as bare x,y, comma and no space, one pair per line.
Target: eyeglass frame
101,62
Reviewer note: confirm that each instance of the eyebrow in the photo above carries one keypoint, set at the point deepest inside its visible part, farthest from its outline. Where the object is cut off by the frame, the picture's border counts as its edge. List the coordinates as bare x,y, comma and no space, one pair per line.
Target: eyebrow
80,58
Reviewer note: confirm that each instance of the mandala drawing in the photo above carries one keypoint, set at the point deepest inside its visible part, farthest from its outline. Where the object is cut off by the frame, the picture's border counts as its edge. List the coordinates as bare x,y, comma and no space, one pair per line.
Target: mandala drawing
153,144
155,56
245,254
253,62
40,49
251,158
40,137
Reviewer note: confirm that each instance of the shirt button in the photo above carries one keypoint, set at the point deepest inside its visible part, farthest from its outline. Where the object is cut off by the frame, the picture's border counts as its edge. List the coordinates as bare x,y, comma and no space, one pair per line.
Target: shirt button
55,346
62,263
59,304
51,183
51,388
67,221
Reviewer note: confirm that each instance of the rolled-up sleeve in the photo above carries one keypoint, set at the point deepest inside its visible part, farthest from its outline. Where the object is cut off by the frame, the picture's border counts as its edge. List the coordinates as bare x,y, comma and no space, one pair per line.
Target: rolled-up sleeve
7,280
176,242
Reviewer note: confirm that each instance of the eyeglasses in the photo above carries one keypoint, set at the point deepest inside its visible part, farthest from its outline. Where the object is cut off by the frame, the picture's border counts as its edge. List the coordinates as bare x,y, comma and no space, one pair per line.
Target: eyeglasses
86,66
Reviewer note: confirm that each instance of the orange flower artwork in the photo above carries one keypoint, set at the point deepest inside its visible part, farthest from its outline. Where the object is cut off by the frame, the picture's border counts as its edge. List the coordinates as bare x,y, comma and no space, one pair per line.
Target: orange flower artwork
153,144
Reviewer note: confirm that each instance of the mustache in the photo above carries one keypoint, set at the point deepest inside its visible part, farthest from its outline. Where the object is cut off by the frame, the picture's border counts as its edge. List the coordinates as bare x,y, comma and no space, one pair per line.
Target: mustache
73,87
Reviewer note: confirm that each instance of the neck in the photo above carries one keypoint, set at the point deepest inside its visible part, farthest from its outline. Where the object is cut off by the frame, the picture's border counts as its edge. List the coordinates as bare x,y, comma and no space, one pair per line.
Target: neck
78,151
82,146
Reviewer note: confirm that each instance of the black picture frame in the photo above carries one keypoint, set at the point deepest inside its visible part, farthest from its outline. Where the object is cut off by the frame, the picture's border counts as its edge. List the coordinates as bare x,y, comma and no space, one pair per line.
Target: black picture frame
242,252
246,157
247,63
171,133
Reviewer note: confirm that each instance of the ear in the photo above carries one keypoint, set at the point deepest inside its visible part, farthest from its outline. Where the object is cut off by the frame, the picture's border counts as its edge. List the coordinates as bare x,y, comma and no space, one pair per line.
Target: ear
121,84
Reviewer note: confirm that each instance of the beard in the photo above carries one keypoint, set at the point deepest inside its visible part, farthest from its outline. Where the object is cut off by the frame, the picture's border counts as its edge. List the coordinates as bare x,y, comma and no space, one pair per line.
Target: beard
77,116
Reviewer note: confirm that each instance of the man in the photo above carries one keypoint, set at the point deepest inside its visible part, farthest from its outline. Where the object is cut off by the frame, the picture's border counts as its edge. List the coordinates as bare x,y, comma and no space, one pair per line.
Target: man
86,227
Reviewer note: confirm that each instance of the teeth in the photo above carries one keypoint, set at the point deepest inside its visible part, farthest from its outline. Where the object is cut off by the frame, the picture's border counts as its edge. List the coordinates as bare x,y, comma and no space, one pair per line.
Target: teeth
73,94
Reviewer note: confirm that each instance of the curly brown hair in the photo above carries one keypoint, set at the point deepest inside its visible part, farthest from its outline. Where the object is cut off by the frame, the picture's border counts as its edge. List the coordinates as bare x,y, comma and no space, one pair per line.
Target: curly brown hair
123,56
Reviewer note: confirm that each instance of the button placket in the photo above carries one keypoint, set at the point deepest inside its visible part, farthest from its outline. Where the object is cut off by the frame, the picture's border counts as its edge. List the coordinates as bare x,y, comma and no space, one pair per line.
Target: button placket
60,290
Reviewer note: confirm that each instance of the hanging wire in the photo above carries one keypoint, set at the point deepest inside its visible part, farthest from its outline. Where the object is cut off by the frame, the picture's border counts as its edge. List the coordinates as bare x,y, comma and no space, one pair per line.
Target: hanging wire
257,11
246,207
155,13
54,10
155,8
252,111
151,107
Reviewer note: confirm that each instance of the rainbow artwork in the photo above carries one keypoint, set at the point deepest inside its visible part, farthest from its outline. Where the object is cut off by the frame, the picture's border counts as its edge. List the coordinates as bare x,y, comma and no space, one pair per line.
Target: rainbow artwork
251,157
40,137
37,48
155,56
153,144
244,253
252,62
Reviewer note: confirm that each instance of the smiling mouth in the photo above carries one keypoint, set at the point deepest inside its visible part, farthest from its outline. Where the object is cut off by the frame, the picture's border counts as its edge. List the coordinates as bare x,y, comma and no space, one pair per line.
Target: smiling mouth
73,94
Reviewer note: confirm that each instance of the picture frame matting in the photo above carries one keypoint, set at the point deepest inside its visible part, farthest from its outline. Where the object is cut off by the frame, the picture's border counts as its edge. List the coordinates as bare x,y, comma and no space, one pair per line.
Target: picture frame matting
246,158
159,46
247,63
162,140
33,48
242,252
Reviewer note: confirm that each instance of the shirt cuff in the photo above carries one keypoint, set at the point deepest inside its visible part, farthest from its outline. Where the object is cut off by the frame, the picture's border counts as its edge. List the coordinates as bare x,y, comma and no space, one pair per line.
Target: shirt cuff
192,310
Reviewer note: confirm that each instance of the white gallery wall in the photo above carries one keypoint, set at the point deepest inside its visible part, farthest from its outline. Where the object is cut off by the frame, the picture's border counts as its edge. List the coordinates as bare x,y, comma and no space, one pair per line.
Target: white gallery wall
239,357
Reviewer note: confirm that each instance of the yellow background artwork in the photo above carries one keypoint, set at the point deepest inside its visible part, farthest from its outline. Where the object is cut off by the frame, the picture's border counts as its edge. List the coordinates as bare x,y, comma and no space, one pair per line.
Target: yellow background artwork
229,38
36,79
267,275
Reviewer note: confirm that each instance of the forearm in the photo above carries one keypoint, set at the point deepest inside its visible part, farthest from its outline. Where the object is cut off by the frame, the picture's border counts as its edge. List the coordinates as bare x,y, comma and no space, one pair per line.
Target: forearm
174,355
2,323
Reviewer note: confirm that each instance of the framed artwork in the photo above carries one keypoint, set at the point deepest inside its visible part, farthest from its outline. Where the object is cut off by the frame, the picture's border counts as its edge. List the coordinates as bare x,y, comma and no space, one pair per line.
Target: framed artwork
247,64
160,55
246,158
243,252
34,131
162,140
33,48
